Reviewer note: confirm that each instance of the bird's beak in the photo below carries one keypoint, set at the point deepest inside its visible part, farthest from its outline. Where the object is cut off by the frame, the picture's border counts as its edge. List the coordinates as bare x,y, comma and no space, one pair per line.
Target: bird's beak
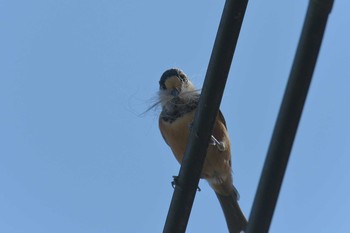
175,92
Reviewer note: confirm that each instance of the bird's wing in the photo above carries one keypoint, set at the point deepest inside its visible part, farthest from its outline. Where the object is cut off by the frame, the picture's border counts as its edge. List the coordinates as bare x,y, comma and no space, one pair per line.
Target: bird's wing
222,118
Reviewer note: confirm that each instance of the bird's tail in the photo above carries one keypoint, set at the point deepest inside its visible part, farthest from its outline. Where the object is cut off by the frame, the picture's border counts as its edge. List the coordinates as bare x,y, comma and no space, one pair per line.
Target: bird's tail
236,222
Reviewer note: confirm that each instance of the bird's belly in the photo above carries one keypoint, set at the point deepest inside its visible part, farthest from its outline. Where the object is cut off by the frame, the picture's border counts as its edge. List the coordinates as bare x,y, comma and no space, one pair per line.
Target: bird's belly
176,134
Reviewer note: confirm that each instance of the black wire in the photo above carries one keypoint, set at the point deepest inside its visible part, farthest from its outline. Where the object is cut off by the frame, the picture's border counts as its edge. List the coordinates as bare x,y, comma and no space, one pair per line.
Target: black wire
213,87
289,116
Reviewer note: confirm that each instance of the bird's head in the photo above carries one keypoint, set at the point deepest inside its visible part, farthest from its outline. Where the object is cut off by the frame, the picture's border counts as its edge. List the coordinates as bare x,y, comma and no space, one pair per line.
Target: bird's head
174,85
176,91
173,82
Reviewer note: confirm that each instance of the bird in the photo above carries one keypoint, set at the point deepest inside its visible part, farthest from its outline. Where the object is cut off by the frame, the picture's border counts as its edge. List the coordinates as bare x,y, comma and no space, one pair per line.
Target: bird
179,100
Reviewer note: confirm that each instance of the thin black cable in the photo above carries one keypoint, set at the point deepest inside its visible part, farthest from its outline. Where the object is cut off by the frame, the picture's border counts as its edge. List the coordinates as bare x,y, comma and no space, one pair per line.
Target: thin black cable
289,116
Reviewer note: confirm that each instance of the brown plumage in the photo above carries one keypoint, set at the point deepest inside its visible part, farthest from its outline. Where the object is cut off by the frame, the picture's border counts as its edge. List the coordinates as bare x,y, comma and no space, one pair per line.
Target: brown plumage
179,100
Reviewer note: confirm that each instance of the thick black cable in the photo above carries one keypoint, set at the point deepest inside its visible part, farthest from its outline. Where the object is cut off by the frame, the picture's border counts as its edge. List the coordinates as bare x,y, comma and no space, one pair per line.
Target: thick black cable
212,91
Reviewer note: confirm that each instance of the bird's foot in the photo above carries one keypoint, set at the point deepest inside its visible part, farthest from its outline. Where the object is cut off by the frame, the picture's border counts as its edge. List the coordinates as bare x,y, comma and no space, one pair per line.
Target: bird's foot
190,125
175,182
215,142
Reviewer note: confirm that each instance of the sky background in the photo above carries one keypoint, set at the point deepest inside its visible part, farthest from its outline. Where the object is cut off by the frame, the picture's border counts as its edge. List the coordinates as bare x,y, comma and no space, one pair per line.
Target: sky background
77,154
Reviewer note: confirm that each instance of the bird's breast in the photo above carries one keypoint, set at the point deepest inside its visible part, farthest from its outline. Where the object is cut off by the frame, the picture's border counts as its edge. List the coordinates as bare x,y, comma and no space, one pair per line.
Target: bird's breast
176,133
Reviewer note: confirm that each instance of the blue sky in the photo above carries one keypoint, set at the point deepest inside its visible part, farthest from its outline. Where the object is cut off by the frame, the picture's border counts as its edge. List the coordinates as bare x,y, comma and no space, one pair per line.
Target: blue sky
78,155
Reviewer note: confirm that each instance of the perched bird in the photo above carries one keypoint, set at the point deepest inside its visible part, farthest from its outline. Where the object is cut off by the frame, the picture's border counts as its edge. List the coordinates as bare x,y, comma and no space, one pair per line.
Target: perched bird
179,100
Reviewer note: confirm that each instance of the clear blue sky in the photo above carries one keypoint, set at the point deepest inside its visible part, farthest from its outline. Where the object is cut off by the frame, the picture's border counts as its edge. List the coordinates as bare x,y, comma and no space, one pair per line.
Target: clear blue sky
77,155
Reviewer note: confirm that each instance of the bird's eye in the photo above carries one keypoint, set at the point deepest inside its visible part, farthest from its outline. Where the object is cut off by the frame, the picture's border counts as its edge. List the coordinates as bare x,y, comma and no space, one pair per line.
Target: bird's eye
162,86
183,77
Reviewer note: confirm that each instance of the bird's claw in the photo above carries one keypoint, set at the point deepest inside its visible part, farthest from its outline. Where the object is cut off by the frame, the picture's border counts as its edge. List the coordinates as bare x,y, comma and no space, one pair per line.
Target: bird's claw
215,142
175,182
190,126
